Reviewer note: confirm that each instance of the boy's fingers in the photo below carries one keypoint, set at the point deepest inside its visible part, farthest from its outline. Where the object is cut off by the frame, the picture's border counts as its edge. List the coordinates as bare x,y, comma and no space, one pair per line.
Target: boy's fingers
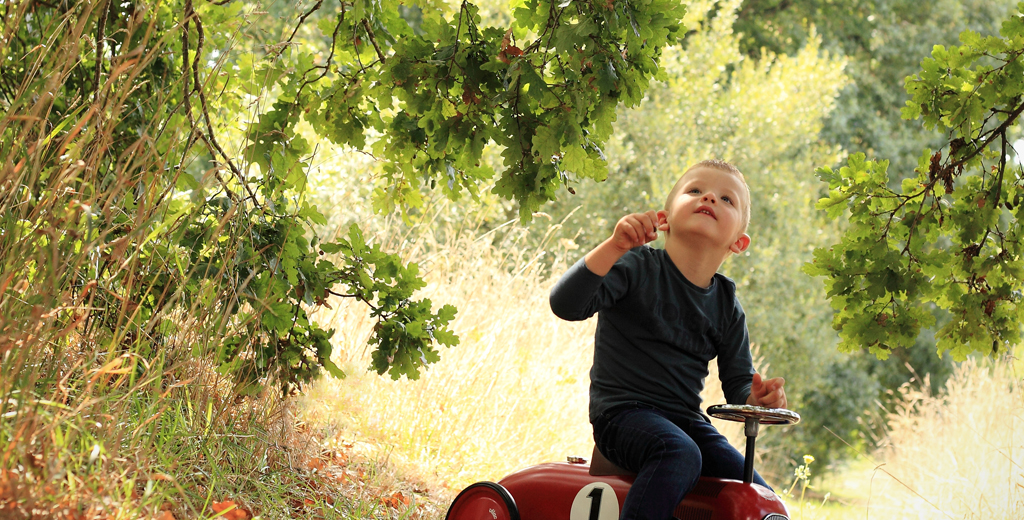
631,228
756,386
652,219
649,221
640,233
768,392
775,399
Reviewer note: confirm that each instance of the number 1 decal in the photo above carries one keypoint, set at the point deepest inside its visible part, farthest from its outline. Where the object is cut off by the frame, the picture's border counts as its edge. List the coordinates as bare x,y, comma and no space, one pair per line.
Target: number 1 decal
596,501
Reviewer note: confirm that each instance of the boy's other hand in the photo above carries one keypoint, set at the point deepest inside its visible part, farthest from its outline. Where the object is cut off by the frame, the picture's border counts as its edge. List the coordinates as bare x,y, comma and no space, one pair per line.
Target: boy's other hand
634,230
768,393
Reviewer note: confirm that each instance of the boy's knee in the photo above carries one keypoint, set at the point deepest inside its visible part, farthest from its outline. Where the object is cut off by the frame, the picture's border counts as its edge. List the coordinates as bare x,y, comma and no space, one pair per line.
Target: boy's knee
681,442
685,461
683,451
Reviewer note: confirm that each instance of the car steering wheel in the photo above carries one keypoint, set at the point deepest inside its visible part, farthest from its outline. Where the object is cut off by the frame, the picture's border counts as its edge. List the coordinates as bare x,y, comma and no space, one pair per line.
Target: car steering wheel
752,417
742,412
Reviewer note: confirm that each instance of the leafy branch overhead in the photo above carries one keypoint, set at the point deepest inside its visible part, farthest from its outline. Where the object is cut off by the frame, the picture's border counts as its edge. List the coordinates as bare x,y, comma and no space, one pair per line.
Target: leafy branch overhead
436,94
545,90
137,155
950,236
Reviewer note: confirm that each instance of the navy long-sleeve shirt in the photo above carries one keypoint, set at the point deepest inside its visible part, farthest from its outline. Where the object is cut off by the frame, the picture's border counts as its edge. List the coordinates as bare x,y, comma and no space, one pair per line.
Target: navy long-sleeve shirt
656,333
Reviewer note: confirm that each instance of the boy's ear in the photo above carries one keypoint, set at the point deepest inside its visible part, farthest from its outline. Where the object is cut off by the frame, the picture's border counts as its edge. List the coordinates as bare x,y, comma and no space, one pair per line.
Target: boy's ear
741,244
662,220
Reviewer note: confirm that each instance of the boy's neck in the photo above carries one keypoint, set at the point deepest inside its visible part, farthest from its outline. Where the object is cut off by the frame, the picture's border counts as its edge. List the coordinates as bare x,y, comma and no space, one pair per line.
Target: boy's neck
697,262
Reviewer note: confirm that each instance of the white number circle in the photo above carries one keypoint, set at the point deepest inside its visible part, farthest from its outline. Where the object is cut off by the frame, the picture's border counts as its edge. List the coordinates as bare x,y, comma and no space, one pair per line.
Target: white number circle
596,501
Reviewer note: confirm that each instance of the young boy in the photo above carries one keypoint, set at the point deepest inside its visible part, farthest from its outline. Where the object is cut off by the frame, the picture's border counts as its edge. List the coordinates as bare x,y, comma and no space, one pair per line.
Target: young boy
662,316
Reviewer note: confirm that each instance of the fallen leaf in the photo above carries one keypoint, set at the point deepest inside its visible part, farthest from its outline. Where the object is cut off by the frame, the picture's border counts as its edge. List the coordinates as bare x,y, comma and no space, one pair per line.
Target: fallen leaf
166,515
396,500
6,488
340,458
229,510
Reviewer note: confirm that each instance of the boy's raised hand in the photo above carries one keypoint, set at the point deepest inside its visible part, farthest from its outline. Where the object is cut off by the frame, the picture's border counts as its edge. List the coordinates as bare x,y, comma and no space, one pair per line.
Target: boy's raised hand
768,393
634,230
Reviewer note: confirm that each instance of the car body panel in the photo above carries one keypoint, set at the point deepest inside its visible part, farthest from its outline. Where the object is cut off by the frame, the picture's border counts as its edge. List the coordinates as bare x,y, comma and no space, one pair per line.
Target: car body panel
567,491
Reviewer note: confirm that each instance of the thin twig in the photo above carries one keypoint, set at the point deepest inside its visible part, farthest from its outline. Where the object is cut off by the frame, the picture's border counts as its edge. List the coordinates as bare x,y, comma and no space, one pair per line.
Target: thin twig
186,78
100,40
373,40
302,19
199,89
999,178
1000,130
330,57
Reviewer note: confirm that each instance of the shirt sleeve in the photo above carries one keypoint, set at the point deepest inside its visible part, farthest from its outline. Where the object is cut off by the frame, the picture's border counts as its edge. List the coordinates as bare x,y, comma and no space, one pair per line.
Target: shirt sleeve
735,366
580,293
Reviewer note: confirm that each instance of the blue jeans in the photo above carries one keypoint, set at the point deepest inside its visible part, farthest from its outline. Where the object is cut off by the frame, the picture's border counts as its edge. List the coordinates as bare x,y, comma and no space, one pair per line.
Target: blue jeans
668,453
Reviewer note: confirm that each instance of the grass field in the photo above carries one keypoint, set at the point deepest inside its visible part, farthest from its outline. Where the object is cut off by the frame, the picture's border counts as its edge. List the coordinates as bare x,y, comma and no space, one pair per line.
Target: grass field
513,393
111,436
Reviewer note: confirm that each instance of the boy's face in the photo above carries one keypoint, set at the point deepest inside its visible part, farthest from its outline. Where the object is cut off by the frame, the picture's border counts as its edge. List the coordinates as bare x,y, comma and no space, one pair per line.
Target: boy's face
709,205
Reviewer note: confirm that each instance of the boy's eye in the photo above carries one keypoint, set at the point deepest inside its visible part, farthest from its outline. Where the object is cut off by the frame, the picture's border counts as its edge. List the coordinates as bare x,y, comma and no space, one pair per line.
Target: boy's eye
727,199
694,190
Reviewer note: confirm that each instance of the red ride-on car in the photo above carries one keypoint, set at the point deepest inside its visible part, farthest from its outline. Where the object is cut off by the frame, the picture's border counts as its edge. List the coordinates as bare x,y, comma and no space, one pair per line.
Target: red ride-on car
575,490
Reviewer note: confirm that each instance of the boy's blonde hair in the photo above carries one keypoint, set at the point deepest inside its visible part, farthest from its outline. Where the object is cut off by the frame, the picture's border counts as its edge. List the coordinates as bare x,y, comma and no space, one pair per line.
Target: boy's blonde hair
720,165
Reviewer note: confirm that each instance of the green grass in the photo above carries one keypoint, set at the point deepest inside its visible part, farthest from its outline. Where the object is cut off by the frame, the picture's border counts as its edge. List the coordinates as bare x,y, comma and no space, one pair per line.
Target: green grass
122,450
107,412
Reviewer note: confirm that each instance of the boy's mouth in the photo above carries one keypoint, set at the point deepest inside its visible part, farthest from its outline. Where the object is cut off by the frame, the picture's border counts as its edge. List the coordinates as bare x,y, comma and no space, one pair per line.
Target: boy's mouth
707,211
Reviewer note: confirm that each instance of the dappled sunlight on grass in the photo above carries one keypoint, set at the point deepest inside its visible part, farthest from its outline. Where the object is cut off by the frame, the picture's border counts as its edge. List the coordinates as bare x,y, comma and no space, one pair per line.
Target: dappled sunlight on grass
513,393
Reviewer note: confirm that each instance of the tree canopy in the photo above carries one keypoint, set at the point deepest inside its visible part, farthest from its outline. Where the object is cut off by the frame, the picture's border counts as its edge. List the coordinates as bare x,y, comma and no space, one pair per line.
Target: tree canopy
128,137
949,235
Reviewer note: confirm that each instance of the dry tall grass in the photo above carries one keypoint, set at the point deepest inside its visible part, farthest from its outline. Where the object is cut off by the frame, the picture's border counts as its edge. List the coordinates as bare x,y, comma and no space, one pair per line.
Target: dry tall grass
106,411
513,393
956,455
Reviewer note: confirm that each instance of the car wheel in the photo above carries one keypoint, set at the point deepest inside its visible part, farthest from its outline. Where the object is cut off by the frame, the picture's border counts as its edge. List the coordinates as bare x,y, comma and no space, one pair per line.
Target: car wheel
483,501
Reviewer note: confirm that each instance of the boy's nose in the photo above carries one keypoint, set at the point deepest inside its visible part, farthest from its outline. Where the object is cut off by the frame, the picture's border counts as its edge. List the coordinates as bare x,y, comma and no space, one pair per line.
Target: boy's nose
709,197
